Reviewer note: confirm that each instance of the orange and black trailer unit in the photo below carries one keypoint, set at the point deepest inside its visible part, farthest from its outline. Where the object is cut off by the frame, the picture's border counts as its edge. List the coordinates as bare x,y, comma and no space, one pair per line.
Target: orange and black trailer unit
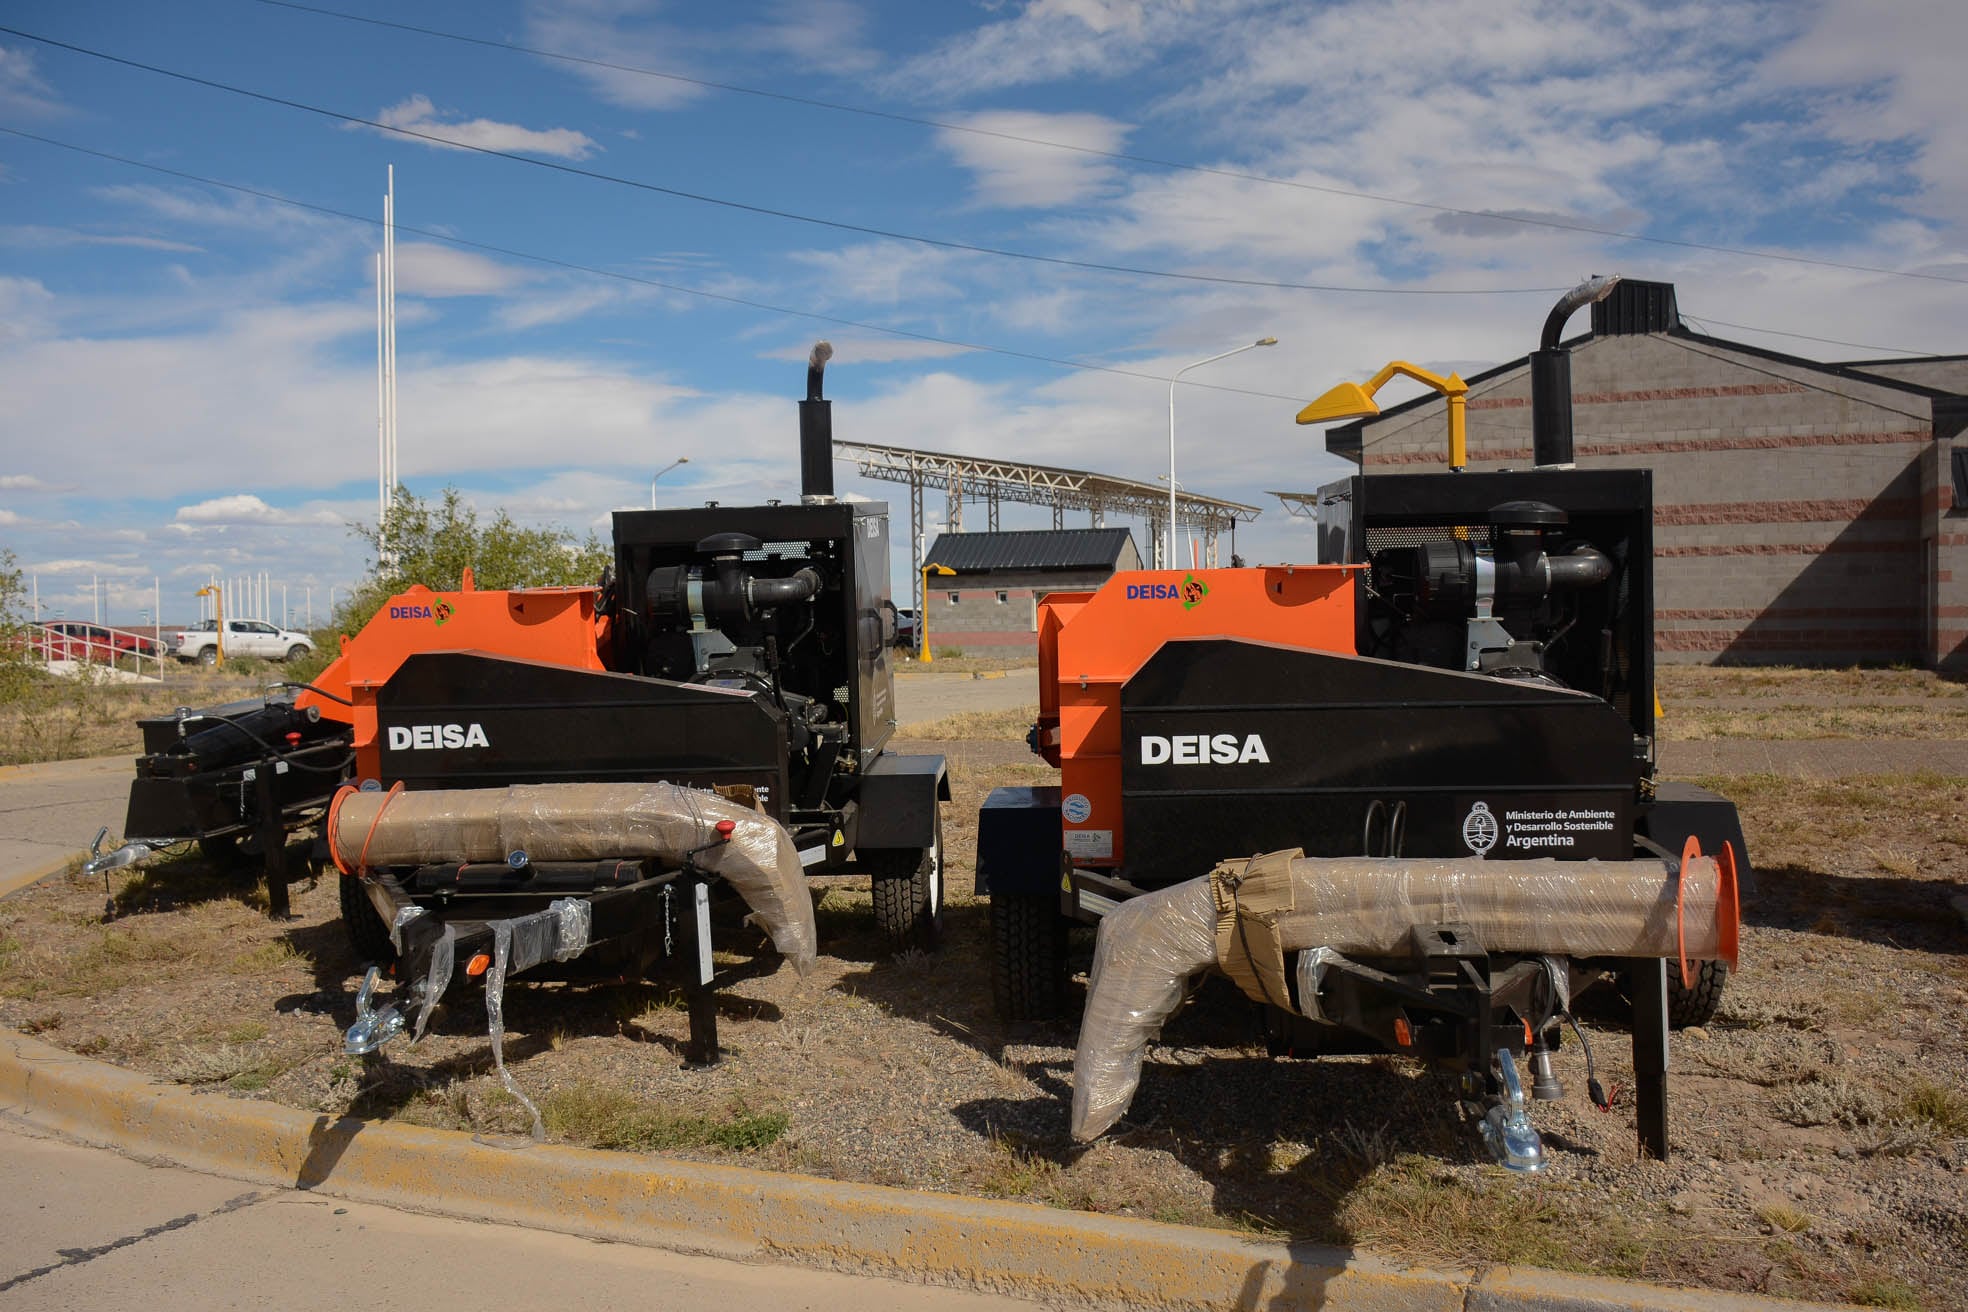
1464,688
575,772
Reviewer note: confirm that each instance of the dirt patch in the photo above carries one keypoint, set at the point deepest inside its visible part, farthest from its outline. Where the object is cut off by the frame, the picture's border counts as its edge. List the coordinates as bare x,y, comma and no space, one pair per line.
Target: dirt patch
1819,1123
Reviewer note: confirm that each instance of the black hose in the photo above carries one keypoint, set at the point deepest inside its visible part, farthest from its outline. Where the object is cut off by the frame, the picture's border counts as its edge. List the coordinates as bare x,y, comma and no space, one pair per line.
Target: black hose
768,593
277,753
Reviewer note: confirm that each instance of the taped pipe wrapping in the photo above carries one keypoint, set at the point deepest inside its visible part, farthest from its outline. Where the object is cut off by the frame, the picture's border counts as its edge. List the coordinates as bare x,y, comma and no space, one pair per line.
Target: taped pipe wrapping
1245,915
587,822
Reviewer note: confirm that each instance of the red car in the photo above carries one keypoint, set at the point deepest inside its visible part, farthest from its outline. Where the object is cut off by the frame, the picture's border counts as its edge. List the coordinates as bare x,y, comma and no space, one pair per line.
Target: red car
78,640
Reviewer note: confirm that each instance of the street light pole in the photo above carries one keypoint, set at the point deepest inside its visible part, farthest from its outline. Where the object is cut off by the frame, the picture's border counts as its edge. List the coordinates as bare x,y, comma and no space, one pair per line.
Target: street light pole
680,460
1262,341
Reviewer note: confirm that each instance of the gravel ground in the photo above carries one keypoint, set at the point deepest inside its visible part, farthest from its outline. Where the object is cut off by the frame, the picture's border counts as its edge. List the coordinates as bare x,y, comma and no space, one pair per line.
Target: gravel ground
1821,1123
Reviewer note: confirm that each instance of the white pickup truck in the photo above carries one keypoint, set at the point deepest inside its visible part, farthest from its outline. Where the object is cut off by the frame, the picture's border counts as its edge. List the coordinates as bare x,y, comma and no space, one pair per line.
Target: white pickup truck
242,638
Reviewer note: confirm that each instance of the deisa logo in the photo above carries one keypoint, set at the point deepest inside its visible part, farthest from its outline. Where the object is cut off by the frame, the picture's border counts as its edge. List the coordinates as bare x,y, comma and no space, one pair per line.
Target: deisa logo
441,612
1193,592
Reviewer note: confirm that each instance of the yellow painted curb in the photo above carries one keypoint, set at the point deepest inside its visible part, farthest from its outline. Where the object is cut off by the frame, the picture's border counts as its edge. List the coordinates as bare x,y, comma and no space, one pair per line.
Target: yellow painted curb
1033,1252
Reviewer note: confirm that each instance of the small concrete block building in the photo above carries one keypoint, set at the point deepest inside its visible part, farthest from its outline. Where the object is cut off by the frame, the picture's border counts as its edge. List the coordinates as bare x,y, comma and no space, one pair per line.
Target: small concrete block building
993,600
1804,512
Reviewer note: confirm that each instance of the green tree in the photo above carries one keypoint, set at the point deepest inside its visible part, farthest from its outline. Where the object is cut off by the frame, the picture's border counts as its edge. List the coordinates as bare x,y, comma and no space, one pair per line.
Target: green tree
433,544
17,671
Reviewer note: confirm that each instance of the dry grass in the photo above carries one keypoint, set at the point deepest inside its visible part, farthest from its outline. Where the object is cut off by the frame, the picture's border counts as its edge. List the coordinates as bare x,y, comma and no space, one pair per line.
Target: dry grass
969,662
595,1116
988,726
1691,722
62,719
1799,684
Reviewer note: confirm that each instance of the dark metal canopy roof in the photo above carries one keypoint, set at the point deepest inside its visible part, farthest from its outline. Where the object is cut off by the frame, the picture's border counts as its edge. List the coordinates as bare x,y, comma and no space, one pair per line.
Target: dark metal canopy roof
1060,548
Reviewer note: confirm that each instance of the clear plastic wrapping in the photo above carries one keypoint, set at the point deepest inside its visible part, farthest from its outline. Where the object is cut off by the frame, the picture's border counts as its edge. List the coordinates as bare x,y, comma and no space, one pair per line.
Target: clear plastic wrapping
1146,952
1246,914
588,822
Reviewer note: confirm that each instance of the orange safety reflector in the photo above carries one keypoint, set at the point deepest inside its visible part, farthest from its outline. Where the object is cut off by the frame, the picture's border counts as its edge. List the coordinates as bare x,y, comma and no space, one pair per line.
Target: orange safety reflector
1527,1034
726,828
477,965
1402,1034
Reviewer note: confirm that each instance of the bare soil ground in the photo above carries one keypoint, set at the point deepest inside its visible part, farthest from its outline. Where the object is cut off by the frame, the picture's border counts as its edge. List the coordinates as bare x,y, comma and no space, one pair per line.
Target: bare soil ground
1821,1122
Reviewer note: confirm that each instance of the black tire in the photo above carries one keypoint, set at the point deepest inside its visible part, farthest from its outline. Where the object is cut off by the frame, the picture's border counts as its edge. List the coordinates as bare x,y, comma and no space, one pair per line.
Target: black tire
368,936
222,851
1028,956
1695,1005
208,655
908,892
296,652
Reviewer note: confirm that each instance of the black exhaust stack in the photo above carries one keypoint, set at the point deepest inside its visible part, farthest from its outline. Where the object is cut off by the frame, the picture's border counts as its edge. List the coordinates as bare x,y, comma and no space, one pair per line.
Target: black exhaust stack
817,430
1551,376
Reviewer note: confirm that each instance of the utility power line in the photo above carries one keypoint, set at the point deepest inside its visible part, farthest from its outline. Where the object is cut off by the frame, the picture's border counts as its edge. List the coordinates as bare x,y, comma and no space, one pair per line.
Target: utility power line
745,302
765,210
1238,175
572,267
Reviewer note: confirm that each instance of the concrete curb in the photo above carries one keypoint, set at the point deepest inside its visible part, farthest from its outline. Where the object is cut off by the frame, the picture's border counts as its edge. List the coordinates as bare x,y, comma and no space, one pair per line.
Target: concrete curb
1013,1248
14,883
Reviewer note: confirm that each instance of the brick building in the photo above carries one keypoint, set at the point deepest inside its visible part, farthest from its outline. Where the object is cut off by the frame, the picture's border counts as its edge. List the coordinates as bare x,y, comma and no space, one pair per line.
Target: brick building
1804,512
993,600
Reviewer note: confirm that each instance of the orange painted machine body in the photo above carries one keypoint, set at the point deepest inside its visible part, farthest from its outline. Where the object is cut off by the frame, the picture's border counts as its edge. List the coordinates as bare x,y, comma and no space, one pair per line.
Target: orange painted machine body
555,625
1092,643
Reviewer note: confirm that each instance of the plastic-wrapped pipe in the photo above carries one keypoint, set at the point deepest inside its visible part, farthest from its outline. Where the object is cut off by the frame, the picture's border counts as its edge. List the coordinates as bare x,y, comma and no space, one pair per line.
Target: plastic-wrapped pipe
586,822
1363,906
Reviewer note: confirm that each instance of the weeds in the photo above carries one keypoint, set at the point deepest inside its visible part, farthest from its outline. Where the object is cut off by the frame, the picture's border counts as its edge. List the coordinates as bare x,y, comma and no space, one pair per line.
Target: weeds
1943,1108
1785,1220
598,1117
994,726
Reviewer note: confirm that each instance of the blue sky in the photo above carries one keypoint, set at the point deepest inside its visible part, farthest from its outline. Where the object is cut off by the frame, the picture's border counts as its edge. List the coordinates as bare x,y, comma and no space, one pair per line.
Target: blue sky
188,373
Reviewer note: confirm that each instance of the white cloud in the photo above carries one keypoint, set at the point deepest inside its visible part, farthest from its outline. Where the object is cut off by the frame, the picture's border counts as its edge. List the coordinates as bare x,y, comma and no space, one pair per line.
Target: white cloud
1895,74
883,272
1019,174
649,35
418,115
870,350
1047,40
27,483
245,509
43,238
22,89
8,516
428,269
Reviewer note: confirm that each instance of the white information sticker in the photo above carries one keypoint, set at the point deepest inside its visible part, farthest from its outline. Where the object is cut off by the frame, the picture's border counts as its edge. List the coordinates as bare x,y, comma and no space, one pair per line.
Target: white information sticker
1090,843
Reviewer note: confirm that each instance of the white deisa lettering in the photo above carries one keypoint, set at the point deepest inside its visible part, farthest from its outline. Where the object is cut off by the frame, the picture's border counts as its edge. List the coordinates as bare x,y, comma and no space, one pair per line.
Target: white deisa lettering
1203,749
429,737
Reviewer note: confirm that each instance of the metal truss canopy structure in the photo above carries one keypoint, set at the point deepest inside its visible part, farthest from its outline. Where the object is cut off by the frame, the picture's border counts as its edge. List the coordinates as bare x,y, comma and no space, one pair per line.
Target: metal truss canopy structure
974,480
1299,505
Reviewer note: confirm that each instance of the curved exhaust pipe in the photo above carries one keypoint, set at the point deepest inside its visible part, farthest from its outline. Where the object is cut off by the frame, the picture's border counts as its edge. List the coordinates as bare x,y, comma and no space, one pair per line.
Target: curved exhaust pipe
817,430
1551,375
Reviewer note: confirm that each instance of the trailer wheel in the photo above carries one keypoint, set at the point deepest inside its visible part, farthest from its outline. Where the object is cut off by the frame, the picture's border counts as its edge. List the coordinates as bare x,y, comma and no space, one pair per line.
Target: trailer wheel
908,892
1028,956
1695,1005
367,934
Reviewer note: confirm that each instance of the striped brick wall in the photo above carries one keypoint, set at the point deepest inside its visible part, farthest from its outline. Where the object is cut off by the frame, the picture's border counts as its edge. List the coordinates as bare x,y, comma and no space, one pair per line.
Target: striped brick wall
1800,516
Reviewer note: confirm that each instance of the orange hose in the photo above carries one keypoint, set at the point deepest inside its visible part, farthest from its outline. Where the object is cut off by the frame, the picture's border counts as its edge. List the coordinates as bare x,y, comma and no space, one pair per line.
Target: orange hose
334,816
362,861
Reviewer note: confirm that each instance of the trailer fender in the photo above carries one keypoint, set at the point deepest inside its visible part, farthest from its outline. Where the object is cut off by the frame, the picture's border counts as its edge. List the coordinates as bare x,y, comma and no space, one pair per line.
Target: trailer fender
898,798
1018,841
1683,810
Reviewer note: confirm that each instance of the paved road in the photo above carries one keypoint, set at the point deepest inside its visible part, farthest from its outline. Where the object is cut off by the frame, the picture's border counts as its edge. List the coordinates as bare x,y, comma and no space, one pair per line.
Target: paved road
87,1228
48,813
921,697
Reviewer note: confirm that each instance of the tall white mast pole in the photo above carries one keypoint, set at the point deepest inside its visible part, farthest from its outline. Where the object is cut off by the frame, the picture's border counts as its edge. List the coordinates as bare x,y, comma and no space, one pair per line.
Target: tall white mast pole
382,404
389,245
